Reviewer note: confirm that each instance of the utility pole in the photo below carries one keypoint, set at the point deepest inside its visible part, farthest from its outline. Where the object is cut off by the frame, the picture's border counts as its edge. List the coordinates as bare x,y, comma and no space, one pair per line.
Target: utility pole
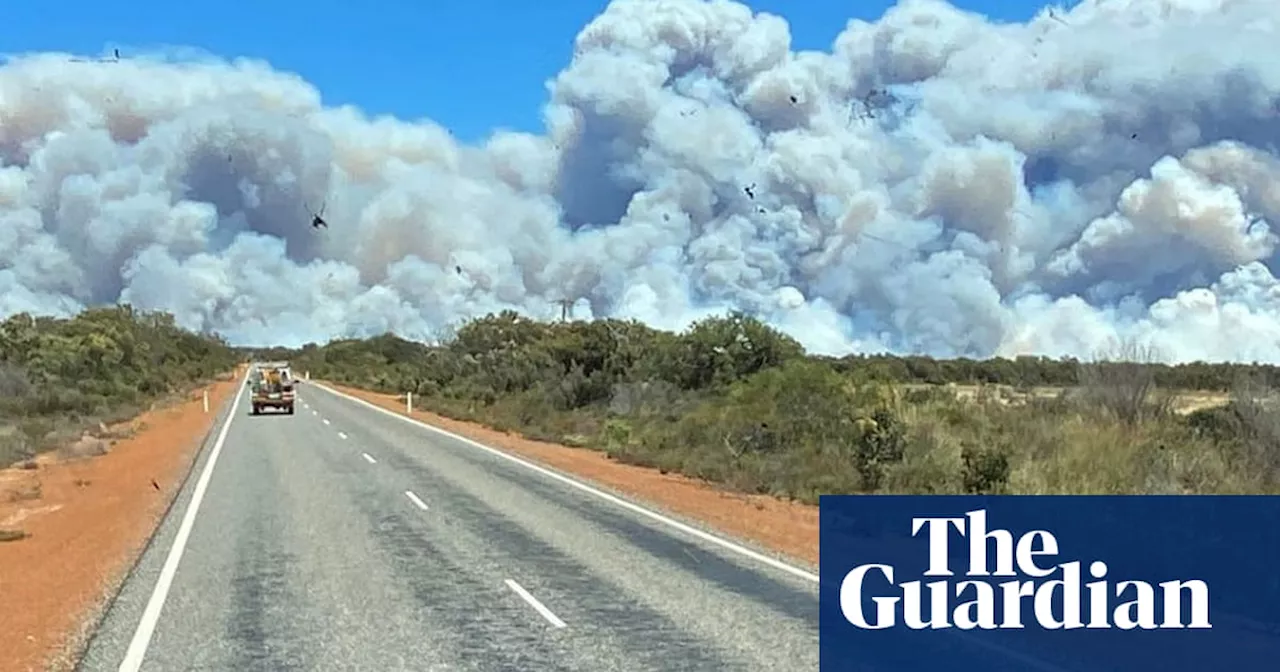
566,309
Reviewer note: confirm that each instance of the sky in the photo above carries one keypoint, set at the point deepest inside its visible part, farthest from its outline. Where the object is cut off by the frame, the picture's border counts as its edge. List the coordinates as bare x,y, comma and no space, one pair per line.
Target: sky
472,67
936,181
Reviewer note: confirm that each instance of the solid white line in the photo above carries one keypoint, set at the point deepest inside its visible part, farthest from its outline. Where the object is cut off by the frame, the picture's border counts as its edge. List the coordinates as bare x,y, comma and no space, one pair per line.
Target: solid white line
613,499
151,615
533,602
325,420
342,435
414,498
369,458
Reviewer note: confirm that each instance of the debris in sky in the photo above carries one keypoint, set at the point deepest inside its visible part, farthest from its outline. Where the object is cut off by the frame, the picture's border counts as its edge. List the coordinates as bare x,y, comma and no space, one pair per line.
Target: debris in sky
114,58
876,99
317,219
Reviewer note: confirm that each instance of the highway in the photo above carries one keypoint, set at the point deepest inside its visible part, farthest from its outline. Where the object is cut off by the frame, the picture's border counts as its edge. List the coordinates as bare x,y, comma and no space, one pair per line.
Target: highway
346,538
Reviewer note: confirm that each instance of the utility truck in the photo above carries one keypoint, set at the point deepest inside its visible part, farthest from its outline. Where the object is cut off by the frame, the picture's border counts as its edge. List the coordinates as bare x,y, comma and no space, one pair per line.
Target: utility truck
271,385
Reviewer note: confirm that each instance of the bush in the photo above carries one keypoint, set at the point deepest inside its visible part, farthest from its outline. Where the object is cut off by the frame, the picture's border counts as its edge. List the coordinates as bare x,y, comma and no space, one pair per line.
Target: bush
736,402
94,366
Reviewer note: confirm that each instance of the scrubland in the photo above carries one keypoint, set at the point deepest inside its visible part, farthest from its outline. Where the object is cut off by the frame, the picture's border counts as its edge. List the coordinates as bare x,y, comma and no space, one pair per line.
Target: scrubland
734,402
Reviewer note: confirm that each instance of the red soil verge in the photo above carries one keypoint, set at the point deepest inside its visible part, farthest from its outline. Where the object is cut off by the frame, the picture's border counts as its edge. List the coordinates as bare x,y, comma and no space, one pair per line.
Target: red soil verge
87,519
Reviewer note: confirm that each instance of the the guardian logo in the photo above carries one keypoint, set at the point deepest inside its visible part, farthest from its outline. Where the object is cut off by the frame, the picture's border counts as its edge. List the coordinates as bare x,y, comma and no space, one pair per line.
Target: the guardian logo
972,603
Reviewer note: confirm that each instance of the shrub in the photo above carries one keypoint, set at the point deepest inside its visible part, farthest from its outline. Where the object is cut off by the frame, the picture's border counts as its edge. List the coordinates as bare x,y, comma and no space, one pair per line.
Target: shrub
734,401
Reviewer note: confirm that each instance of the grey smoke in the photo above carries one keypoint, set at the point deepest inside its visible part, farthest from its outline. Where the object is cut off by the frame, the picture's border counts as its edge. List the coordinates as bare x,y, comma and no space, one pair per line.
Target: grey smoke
935,183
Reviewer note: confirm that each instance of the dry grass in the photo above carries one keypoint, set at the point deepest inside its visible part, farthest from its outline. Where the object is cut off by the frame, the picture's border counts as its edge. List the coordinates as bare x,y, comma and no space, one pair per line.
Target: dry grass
788,438
1183,402
28,492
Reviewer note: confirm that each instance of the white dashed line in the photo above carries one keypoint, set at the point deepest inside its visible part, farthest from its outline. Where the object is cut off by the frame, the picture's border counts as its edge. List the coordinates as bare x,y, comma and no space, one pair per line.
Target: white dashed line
342,435
414,498
533,602
593,491
368,458
325,420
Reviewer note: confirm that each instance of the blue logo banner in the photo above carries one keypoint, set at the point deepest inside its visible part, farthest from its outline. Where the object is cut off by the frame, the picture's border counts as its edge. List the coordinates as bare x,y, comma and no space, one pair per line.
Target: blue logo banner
1050,583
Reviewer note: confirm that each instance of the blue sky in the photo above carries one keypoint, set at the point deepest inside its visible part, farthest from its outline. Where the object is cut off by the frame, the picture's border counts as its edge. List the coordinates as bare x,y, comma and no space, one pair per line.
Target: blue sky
471,66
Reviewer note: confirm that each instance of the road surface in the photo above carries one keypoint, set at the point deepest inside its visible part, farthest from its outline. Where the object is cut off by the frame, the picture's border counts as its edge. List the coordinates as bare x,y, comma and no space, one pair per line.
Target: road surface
346,538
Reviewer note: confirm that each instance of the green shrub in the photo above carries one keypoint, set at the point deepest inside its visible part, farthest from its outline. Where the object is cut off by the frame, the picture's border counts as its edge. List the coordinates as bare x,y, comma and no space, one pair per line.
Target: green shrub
56,372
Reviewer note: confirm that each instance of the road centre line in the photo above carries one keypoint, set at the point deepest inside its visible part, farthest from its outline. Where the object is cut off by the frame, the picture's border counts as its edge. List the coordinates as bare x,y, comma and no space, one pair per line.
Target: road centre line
416,501
537,606
613,499
1029,661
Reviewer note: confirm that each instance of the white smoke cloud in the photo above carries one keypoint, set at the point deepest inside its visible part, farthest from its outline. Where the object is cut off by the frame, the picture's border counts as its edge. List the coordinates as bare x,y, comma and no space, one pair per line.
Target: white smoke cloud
937,183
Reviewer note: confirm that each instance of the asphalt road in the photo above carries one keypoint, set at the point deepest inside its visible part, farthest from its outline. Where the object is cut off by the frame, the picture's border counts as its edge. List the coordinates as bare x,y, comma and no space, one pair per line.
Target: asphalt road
344,538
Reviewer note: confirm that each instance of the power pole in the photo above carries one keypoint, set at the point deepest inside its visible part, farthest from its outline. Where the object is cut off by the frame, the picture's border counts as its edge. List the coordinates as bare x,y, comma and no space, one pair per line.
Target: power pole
566,309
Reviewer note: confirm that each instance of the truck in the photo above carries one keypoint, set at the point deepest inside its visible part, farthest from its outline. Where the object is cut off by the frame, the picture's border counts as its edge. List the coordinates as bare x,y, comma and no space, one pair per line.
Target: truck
271,386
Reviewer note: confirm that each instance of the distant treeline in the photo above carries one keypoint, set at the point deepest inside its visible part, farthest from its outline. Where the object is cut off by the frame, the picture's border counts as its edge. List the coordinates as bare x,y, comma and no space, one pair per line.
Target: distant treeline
1042,371
1022,372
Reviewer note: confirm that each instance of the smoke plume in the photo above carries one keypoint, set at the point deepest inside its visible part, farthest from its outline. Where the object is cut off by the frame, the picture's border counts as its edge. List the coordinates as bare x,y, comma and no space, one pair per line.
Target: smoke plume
935,183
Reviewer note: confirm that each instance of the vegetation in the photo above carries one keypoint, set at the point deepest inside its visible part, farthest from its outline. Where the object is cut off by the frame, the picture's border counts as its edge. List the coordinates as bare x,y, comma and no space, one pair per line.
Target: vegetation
59,377
735,402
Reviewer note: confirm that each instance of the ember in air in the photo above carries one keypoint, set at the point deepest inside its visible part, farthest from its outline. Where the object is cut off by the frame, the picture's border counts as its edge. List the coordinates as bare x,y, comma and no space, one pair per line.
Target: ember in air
979,595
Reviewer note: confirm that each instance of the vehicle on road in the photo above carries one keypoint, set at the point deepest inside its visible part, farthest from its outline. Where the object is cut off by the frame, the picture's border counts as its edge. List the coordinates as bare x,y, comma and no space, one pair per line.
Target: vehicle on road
271,386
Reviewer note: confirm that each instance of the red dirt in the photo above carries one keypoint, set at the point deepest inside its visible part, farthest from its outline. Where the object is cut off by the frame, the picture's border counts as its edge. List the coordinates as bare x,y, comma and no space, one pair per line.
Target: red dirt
786,527
86,527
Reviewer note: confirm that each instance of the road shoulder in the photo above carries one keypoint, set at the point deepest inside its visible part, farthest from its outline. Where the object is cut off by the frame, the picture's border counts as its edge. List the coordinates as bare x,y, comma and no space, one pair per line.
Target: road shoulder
788,528
87,521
